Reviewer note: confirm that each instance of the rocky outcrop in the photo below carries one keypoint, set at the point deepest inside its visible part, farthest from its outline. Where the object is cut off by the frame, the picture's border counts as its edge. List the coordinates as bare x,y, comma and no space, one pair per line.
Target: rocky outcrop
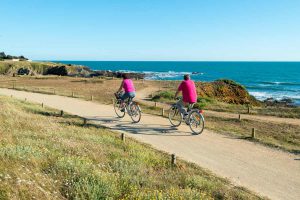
226,91
286,102
117,74
57,70
23,71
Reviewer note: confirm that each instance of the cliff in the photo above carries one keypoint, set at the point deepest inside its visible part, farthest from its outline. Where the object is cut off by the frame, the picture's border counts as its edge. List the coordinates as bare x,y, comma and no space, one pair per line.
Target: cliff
50,68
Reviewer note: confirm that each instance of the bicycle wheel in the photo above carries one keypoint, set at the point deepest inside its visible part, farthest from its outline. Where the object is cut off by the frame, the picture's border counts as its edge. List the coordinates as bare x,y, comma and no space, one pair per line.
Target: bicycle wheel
135,112
175,116
118,110
196,122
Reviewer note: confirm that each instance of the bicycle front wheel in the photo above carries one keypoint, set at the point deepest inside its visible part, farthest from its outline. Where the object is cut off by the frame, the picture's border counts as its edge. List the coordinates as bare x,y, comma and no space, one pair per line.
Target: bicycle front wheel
135,112
196,122
118,109
175,116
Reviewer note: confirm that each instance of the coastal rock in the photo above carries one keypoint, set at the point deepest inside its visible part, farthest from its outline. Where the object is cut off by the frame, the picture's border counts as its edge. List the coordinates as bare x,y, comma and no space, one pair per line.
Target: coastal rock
226,91
23,71
58,70
117,74
285,102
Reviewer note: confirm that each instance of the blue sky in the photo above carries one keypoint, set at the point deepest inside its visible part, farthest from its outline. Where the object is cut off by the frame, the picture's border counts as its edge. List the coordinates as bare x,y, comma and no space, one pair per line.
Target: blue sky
210,30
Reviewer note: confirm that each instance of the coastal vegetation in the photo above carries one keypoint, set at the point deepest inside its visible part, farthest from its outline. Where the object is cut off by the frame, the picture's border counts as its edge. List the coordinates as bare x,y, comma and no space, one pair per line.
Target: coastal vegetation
42,68
13,68
3,56
48,156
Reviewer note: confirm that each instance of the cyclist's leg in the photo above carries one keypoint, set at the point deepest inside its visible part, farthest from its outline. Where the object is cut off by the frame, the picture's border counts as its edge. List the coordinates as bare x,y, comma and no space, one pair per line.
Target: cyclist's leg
131,94
181,105
123,98
190,106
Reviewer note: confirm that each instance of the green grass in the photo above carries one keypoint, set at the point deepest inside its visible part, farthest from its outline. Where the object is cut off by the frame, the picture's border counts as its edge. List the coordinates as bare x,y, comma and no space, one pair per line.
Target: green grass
282,136
44,156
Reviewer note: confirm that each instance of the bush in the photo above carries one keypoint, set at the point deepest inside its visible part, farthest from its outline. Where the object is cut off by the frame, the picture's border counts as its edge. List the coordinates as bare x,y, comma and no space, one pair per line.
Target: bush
230,82
202,102
164,95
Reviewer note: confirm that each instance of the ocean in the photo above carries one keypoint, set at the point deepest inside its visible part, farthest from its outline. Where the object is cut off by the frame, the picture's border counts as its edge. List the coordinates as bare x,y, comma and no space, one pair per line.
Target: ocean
262,79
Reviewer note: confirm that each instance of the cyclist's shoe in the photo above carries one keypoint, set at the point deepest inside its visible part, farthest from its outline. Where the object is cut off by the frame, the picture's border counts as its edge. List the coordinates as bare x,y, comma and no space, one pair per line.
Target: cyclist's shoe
187,121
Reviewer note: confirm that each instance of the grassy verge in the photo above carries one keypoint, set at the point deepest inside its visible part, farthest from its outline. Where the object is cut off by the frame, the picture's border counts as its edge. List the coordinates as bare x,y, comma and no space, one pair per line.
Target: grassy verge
44,156
282,136
102,89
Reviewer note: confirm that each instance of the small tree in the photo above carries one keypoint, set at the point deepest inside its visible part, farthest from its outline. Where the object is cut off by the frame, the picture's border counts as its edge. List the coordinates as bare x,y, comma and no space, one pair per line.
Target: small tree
2,55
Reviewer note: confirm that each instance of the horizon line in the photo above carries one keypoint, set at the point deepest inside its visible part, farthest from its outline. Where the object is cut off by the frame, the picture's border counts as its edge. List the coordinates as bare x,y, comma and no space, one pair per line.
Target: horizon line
170,60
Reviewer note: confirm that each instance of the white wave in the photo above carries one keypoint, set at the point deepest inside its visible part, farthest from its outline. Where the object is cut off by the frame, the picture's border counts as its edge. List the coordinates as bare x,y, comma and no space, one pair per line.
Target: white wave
275,95
167,75
156,75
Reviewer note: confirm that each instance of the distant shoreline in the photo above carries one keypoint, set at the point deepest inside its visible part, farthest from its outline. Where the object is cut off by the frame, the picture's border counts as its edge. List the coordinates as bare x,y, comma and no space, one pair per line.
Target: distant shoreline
256,77
263,79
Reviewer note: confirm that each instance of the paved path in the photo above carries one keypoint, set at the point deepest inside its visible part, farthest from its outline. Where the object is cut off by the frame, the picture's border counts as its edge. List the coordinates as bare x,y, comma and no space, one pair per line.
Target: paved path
269,172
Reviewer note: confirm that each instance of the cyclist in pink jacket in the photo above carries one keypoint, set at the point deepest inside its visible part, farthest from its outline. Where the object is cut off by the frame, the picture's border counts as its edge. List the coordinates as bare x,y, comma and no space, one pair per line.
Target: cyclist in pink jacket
127,86
189,94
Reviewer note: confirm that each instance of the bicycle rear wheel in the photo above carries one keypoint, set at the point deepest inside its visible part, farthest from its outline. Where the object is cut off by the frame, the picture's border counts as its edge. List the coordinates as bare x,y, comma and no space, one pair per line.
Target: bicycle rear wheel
135,112
175,116
118,109
196,122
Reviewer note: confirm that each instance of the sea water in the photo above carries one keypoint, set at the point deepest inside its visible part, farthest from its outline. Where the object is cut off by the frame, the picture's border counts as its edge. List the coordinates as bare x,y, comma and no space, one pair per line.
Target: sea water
262,79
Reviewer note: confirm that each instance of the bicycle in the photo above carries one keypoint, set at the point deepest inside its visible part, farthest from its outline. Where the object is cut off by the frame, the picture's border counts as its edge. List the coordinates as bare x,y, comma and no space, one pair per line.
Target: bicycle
194,119
129,106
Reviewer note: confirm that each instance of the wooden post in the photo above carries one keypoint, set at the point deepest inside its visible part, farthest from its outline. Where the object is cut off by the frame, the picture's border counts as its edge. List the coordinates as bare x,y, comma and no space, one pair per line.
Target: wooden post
123,137
73,94
92,98
61,113
253,133
84,121
240,117
162,112
155,104
248,108
42,105
173,159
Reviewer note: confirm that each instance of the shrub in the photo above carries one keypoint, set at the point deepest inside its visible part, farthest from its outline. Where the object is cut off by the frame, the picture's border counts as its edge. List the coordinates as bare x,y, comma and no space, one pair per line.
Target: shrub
202,102
164,95
230,82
